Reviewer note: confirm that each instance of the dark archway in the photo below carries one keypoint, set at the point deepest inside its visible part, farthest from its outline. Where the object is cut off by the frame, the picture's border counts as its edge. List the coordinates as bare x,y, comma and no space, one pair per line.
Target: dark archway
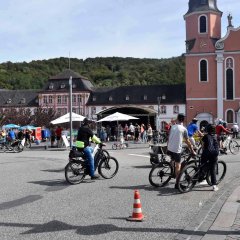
145,115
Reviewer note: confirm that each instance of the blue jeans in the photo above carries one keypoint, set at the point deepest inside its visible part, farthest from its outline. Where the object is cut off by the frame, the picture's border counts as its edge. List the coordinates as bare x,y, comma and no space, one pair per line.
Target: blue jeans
88,153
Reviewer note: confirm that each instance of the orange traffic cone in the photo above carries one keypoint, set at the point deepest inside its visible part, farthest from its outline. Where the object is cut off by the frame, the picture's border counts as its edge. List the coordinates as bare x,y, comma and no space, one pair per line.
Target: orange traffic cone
137,215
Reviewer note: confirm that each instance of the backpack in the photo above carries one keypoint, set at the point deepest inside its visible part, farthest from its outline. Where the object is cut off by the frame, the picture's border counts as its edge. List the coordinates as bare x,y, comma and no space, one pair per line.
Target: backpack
213,148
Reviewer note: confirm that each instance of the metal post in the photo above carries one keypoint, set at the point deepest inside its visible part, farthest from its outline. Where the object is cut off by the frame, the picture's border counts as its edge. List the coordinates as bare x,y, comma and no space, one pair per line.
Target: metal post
70,109
158,116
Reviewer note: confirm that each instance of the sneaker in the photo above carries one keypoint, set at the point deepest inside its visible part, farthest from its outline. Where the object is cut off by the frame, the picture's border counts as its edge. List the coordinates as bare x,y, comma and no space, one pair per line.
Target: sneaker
215,188
95,177
204,182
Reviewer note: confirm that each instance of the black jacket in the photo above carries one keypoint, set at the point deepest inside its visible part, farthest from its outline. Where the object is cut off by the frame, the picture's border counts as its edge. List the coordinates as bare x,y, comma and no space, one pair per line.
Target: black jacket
84,133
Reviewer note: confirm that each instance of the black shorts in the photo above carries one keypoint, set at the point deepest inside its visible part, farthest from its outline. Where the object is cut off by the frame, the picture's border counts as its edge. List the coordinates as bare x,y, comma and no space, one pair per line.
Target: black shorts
174,156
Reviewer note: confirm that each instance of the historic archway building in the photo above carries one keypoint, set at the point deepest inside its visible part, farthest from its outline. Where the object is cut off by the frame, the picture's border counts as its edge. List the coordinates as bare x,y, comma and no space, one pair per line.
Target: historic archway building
212,64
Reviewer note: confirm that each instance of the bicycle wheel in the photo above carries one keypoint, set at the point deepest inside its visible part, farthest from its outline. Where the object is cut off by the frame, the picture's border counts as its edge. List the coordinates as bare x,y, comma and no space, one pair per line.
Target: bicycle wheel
105,153
74,173
160,174
221,169
114,146
108,167
234,147
187,178
2,148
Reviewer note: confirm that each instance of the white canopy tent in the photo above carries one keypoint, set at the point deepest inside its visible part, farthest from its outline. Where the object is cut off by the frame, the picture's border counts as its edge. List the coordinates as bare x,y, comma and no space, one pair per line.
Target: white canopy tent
66,118
117,117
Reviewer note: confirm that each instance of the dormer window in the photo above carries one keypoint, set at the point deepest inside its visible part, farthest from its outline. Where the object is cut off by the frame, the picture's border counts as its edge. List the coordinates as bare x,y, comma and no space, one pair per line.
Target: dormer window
23,100
110,98
62,85
127,97
145,97
50,86
9,101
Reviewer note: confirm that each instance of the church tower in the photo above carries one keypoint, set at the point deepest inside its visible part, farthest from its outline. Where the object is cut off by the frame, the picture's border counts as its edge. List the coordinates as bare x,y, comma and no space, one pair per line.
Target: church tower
203,30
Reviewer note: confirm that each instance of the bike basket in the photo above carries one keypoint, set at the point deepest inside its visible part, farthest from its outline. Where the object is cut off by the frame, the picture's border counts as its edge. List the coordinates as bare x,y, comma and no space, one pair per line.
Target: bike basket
75,154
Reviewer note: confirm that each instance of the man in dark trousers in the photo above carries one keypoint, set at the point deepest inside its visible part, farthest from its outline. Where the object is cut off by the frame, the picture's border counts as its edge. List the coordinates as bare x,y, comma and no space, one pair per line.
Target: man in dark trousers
84,134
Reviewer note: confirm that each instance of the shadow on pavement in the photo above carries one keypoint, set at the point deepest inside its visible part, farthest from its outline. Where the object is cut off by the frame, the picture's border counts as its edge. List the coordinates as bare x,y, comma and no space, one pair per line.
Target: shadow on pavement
97,229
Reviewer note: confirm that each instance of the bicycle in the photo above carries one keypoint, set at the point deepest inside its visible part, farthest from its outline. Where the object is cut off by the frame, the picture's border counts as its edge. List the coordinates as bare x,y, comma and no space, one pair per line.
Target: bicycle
116,146
164,169
192,173
231,144
77,168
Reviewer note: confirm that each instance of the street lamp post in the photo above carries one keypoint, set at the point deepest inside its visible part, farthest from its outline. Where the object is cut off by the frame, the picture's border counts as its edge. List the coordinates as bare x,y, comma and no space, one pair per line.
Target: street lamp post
162,97
70,109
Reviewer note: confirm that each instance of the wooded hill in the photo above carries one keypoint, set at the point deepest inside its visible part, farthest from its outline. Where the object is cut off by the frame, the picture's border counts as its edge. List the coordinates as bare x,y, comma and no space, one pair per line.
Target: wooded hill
103,72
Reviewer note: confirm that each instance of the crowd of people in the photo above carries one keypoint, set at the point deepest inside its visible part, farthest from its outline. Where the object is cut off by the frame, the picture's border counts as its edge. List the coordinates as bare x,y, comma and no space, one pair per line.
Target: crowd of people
135,132
11,135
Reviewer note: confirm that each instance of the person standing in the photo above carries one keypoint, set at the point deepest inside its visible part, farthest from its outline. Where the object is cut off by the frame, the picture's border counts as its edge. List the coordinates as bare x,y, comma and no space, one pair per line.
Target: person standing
210,154
235,130
174,146
58,133
149,133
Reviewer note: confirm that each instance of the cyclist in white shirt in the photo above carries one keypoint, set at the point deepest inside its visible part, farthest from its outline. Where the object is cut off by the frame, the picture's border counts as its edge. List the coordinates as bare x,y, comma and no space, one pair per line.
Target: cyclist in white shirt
177,133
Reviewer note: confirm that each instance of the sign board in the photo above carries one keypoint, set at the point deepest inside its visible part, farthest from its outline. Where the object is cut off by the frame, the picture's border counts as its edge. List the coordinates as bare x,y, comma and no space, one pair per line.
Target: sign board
65,141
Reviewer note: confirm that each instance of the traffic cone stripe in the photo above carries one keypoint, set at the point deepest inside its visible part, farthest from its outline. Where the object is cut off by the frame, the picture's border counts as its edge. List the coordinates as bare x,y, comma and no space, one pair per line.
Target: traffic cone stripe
137,210
136,200
137,205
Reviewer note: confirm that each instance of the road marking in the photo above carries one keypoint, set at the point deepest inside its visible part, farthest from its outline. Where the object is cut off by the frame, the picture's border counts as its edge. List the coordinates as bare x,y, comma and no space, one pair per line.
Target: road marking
138,155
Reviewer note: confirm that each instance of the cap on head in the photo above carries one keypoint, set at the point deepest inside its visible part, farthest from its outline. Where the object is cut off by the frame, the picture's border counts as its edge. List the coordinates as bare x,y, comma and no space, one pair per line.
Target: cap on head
181,117
194,120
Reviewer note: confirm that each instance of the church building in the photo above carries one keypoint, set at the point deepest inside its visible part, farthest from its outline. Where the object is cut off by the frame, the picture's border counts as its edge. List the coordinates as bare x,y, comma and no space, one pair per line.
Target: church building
212,65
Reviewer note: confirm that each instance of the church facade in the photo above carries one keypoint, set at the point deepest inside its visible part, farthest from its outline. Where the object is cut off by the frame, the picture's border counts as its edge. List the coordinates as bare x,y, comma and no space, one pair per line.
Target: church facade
212,65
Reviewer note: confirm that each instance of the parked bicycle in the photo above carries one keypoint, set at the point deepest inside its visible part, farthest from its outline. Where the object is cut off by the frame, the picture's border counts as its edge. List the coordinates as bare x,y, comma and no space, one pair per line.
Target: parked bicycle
116,146
77,168
193,173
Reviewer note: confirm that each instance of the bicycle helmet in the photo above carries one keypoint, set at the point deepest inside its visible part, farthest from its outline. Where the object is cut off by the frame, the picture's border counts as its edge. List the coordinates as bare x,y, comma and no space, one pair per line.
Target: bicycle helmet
181,117
220,121
85,122
211,129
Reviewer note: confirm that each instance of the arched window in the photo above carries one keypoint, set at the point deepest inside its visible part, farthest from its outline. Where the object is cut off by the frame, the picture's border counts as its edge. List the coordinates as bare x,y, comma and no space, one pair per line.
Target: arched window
230,116
203,24
203,70
229,79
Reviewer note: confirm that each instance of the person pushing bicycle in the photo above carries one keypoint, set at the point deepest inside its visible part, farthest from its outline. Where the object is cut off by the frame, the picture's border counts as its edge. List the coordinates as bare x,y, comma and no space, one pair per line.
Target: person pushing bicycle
83,136
176,135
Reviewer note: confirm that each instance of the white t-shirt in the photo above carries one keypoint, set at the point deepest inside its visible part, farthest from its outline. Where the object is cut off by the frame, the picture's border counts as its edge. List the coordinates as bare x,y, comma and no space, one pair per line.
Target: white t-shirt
177,133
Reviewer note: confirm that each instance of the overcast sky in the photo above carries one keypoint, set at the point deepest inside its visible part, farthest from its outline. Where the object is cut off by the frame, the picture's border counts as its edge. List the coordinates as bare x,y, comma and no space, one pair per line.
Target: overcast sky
44,29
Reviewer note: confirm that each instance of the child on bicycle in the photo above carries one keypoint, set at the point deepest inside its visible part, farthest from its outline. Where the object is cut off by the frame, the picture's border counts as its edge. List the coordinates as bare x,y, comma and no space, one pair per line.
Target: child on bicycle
210,154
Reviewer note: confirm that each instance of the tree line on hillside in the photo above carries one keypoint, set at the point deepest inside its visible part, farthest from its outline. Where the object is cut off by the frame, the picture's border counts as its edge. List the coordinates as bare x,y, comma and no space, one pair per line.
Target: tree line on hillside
103,72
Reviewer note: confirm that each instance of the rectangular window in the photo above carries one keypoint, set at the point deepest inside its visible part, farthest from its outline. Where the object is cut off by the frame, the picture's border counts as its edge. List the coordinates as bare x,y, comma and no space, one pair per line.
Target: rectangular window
45,99
65,99
74,98
50,99
79,99
59,99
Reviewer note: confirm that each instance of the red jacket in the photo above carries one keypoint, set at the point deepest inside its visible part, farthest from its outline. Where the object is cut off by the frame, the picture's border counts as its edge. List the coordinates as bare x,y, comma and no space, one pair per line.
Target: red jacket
221,129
